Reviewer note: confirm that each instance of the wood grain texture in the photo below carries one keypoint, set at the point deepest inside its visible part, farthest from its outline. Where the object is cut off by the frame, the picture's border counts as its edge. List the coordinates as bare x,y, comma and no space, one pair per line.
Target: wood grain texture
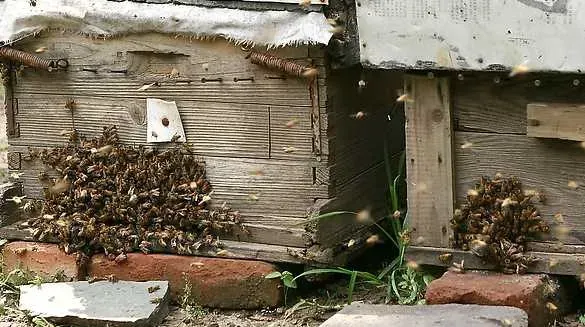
358,179
235,249
549,263
556,121
540,164
367,191
356,145
429,158
481,105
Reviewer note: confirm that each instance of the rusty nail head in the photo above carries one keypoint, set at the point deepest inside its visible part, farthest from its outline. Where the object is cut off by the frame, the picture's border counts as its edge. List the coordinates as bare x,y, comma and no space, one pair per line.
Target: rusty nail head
165,121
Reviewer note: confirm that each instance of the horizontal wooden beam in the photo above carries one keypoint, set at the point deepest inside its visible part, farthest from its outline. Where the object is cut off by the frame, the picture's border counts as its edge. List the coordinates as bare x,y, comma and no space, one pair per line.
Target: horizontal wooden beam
235,250
550,263
556,120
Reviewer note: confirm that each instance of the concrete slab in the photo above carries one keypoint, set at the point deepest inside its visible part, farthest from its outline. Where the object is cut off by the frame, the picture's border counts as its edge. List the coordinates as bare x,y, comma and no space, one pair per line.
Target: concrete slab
102,303
450,315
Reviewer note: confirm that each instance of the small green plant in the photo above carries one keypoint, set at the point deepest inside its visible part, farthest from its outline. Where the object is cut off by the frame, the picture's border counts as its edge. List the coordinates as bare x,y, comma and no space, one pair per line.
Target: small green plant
407,285
192,310
287,279
582,319
403,283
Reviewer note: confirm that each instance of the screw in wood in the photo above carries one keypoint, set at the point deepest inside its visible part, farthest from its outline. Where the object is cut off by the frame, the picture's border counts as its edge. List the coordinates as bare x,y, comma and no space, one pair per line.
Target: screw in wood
165,122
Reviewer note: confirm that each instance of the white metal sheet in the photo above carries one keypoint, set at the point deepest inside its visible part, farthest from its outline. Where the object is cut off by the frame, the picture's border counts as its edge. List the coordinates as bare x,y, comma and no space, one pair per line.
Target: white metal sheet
472,34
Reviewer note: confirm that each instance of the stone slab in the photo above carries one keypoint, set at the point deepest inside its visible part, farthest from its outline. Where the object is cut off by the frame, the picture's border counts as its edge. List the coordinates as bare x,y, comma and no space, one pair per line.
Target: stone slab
100,303
449,315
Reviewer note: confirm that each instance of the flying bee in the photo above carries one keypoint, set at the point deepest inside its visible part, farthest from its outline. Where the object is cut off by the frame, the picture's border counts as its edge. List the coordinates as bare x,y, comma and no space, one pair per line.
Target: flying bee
358,115
254,197
519,69
373,239
466,145
292,123
363,216
551,306
412,265
305,4
289,149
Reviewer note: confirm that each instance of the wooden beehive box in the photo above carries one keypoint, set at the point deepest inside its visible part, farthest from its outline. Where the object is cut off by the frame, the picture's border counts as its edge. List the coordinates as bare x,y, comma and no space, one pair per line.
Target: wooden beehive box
461,126
239,125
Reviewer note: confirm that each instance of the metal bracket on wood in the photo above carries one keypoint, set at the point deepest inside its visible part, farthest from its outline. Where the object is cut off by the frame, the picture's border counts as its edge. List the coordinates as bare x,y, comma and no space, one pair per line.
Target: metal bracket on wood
32,60
11,105
14,160
315,118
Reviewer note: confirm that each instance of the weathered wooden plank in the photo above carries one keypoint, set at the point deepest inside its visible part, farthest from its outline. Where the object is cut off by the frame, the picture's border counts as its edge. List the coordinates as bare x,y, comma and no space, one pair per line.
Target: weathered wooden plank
429,158
480,104
540,164
555,120
216,129
550,263
265,92
235,249
122,65
366,191
555,247
357,144
89,51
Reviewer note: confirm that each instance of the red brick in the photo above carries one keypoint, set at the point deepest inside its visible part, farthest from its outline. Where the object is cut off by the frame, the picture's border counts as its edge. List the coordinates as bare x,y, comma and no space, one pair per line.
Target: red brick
40,258
216,282
528,292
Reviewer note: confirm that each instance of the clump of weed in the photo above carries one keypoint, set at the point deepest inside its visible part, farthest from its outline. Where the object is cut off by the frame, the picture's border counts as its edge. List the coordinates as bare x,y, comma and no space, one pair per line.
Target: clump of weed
188,303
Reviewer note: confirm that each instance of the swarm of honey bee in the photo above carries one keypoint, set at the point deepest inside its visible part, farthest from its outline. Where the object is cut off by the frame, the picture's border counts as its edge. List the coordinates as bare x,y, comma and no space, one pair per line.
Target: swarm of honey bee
496,222
116,199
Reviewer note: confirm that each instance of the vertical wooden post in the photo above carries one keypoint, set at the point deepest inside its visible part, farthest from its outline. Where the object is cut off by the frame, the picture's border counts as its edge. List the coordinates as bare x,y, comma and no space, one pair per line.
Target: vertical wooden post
429,159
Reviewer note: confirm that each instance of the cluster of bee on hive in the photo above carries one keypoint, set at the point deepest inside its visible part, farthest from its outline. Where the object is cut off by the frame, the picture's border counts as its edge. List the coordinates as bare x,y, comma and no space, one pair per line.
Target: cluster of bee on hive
497,220
116,199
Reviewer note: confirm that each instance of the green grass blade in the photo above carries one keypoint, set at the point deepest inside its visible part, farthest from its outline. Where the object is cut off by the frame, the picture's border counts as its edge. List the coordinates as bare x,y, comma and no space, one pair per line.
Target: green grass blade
324,271
387,235
394,287
351,286
388,268
402,163
388,166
